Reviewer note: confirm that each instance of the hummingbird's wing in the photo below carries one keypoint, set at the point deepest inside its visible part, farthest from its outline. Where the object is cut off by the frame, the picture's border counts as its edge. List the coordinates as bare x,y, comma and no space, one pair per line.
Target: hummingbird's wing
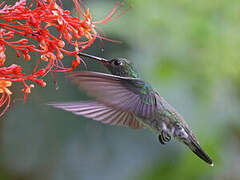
128,94
100,112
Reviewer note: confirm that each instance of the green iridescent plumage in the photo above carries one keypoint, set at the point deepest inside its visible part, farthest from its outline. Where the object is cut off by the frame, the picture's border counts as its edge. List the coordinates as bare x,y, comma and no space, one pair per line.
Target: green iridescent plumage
122,98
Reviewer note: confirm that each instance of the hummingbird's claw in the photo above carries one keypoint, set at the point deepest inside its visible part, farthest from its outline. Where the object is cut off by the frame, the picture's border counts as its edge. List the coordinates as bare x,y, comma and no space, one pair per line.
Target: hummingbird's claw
164,137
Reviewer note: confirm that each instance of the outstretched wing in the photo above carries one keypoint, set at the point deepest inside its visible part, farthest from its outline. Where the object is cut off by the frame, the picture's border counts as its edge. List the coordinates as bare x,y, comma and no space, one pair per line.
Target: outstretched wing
128,94
100,112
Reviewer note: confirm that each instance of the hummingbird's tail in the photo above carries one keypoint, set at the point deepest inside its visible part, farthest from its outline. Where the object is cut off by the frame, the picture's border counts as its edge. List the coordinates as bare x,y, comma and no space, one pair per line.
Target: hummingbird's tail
196,149
184,135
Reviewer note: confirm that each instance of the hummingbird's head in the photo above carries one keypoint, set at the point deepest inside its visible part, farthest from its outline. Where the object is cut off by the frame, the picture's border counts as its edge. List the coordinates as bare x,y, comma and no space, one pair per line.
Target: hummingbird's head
183,134
117,66
121,67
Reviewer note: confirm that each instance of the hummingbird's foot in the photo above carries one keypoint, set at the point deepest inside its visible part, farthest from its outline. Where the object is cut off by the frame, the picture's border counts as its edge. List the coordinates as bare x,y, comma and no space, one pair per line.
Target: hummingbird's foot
164,137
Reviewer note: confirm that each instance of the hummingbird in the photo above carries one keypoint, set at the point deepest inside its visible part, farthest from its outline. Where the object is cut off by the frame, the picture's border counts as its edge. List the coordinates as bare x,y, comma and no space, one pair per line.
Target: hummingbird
123,98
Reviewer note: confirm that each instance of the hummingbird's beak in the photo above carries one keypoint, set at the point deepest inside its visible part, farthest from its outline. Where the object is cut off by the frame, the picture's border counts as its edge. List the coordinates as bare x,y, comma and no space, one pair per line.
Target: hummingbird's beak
101,60
196,149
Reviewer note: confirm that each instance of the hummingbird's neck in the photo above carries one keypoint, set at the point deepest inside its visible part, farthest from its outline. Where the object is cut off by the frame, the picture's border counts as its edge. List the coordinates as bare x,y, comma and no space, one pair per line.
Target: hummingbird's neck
134,73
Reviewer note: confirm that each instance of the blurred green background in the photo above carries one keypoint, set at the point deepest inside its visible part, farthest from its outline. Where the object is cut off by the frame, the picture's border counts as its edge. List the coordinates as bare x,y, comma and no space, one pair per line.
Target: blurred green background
189,52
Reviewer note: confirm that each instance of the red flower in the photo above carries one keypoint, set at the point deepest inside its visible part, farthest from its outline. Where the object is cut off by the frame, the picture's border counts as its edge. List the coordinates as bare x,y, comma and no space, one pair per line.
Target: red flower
6,93
32,23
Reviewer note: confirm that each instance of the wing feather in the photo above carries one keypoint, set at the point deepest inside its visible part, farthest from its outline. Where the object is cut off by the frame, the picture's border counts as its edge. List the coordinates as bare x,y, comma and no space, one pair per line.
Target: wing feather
124,93
101,112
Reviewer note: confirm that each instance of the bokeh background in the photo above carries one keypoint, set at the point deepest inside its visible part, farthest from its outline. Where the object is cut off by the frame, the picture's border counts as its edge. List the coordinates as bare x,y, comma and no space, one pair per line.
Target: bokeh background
189,52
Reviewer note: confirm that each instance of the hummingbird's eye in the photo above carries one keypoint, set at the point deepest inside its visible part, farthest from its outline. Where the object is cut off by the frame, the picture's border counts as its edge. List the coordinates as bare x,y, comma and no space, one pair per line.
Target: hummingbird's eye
117,62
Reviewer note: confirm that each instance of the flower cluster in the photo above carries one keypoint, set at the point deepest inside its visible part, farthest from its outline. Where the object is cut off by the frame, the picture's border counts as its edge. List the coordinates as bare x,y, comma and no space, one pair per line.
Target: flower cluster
32,23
